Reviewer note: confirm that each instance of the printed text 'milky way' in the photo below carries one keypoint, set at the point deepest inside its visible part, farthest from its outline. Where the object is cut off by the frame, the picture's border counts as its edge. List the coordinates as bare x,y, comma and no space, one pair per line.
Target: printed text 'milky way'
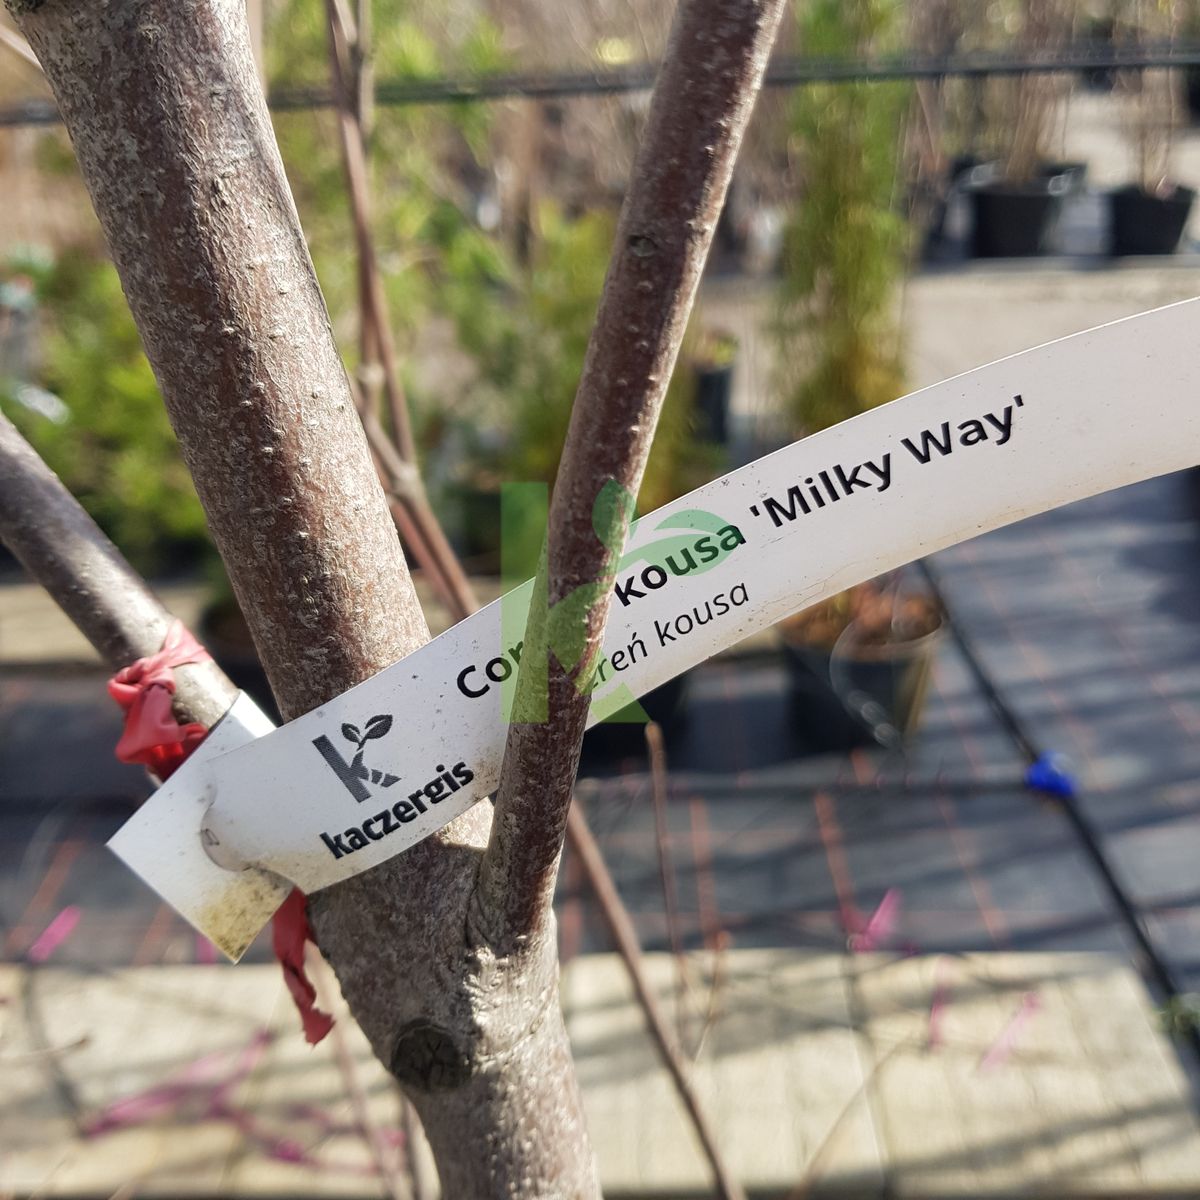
839,482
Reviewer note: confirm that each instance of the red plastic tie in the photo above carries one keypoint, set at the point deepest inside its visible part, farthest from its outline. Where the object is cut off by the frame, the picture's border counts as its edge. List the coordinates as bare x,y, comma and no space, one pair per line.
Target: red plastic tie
53,936
154,738
289,932
1001,1049
144,690
870,935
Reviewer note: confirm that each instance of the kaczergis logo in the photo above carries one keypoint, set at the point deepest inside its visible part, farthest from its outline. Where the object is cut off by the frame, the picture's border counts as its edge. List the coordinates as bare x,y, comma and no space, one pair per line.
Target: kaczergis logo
355,775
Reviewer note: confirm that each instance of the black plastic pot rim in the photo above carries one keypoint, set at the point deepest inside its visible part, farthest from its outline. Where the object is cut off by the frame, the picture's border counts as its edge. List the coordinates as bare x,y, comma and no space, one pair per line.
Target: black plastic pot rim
901,648
1179,192
1050,186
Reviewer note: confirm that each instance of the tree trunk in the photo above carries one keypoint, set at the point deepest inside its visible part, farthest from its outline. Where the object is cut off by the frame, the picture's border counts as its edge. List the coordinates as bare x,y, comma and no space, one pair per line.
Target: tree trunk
166,114
168,121
455,984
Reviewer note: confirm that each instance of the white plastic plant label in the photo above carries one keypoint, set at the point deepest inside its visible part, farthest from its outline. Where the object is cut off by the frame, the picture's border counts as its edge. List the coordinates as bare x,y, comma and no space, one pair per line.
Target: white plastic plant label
384,765
162,842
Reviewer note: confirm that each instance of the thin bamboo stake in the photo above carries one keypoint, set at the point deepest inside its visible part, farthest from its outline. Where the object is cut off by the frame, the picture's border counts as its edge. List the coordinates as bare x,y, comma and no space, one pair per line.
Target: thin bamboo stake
418,526
347,56
659,789
354,161
716,938
18,45
624,936
364,71
413,538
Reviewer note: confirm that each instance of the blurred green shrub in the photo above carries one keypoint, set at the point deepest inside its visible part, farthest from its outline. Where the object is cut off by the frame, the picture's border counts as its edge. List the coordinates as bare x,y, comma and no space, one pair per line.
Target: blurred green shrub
845,242
529,344
520,329
528,340
427,168
115,449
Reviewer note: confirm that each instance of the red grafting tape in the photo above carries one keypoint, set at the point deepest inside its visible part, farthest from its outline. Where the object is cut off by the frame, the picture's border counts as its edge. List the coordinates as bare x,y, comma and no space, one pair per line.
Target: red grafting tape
144,690
290,930
154,738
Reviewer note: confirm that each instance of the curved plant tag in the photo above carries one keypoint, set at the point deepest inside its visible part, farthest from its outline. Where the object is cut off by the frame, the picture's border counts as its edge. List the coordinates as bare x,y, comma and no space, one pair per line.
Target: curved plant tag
162,843
385,764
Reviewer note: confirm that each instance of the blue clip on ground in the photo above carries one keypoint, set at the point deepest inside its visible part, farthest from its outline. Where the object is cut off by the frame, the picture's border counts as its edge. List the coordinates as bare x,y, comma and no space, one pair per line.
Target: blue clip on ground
1050,775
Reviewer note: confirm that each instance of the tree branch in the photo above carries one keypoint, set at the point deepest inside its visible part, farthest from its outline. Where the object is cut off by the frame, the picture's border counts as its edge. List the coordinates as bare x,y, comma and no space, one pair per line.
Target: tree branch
702,101
177,151
89,579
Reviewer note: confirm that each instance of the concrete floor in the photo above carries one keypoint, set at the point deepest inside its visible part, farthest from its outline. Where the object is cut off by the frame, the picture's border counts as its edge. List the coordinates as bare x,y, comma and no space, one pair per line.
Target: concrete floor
824,1074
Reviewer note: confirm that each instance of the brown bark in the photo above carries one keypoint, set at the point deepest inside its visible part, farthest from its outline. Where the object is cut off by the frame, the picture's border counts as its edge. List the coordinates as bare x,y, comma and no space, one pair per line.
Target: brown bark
62,548
702,101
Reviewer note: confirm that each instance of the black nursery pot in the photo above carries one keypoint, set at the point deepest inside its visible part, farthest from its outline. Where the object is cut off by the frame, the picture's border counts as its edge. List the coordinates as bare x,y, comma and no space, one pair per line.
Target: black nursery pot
1072,175
868,699
714,391
616,739
1014,220
1142,223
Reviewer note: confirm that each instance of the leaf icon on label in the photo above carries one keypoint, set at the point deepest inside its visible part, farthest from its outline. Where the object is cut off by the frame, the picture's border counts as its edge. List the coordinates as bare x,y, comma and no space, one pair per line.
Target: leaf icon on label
377,727
351,734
